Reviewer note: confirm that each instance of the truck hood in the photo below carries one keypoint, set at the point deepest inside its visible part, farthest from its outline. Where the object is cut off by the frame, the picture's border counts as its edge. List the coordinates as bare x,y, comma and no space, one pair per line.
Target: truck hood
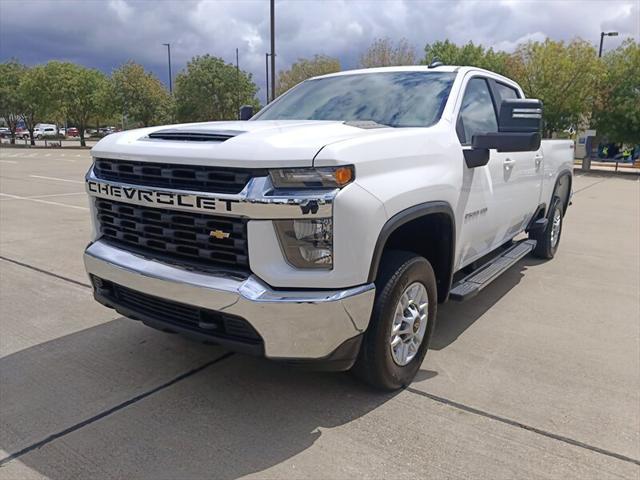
252,144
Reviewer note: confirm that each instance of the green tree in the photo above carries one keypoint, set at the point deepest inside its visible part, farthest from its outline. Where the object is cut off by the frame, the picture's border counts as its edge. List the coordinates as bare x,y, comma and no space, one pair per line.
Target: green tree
617,112
107,108
11,73
35,97
210,89
565,77
305,68
77,93
469,54
139,95
382,53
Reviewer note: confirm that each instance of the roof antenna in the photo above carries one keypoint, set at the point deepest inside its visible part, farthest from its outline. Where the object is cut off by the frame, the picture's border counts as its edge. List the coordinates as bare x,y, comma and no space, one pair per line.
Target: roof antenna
435,63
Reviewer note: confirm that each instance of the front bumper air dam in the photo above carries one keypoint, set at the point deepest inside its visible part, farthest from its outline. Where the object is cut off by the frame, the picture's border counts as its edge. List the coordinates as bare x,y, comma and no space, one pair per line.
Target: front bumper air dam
297,326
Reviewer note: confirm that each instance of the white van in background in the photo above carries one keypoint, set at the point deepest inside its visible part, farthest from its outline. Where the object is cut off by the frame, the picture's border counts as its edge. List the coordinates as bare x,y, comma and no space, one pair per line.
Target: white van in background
41,130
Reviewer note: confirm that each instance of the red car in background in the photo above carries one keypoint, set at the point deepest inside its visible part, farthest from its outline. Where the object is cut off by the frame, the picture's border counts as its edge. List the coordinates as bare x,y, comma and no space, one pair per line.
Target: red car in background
72,132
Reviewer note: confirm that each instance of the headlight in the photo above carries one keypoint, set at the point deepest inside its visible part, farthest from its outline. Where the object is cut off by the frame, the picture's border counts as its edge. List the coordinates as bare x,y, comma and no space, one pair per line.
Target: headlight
324,177
307,243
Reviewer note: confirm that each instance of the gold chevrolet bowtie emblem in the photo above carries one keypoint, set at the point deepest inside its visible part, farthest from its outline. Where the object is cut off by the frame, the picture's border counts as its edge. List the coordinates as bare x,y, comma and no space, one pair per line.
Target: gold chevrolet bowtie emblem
219,234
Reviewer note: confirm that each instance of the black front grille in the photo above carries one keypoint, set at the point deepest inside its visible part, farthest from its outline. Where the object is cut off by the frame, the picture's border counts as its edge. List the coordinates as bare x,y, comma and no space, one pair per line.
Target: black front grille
200,178
148,307
171,235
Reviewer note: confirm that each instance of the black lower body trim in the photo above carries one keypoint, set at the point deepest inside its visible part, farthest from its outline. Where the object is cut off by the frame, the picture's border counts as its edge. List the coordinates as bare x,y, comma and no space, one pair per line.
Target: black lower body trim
340,360
209,326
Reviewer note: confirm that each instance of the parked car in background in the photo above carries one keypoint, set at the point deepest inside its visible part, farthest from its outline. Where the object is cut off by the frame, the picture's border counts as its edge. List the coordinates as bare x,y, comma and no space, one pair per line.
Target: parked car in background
72,132
5,132
41,130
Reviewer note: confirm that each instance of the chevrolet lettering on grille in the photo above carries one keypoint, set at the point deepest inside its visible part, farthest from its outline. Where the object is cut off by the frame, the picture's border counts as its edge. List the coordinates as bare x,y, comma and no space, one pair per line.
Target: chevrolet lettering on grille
159,198
257,205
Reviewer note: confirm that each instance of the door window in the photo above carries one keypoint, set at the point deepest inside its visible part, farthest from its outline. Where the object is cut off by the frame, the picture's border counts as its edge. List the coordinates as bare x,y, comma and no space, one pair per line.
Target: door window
506,92
477,114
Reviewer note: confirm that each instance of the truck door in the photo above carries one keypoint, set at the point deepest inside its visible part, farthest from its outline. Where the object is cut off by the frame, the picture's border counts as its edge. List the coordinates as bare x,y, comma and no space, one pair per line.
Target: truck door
521,172
496,199
479,207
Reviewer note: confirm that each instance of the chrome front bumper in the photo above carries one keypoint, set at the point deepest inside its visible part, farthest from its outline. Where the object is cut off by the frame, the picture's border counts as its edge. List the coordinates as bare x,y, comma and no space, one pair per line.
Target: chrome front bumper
296,324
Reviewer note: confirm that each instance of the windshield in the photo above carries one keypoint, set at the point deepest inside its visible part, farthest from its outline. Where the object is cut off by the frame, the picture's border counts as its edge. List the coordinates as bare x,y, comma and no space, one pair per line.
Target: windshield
396,99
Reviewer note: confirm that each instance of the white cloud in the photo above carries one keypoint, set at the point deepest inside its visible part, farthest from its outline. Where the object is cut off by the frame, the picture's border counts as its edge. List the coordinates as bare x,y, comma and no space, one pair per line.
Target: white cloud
104,35
510,46
122,9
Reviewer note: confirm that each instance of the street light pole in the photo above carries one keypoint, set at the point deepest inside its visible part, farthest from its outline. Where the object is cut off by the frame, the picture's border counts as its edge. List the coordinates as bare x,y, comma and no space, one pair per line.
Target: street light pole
168,45
273,50
238,84
602,35
266,64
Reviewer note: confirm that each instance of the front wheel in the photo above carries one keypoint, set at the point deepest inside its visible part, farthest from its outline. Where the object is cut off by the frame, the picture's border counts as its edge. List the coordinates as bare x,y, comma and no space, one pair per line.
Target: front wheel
548,239
402,322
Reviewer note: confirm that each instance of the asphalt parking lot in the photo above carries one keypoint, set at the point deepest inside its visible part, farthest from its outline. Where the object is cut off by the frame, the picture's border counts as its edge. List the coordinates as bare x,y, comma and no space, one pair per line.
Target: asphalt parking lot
537,377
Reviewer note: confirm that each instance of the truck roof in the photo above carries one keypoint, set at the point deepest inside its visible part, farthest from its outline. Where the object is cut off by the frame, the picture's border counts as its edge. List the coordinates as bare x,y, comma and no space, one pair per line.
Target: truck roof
411,68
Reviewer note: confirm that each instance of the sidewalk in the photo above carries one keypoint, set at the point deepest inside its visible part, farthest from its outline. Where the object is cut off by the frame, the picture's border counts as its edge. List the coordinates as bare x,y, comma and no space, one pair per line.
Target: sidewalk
5,143
609,167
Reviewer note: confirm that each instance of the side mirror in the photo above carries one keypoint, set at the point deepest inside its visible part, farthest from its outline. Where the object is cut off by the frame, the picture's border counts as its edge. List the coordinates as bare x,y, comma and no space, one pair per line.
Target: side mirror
519,126
520,115
246,112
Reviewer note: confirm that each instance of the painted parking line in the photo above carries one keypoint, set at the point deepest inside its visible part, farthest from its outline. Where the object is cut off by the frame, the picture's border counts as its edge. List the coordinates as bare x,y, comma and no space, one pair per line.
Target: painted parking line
53,195
18,197
56,179
8,161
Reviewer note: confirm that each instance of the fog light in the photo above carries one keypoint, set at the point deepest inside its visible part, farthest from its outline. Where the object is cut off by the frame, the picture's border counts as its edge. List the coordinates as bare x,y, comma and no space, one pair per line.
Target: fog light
307,243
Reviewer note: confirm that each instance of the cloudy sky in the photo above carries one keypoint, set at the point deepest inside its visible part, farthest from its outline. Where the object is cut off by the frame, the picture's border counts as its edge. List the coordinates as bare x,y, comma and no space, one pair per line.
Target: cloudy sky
105,33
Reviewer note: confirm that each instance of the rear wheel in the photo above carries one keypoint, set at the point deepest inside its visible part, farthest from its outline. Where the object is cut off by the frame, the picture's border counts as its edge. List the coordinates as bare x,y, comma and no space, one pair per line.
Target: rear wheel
549,239
402,322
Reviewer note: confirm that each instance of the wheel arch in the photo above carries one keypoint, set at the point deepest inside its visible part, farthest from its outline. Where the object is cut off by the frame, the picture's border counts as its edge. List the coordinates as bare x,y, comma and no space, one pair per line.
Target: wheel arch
434,224
562,188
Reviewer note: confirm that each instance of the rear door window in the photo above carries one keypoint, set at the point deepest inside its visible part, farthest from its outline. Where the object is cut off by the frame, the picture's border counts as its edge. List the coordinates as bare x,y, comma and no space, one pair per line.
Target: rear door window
506,92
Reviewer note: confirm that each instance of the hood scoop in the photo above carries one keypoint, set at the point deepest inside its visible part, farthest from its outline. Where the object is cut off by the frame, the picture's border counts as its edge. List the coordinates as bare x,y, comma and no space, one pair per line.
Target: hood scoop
365,124
180,135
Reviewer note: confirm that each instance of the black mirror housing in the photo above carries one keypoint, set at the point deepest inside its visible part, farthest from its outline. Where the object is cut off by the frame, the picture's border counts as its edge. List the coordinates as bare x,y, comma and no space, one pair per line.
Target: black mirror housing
520,115
507,141
474,157
246,112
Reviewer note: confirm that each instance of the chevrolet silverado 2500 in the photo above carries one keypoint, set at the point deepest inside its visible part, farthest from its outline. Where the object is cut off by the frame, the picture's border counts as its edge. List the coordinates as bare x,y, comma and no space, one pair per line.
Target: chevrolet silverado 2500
325,229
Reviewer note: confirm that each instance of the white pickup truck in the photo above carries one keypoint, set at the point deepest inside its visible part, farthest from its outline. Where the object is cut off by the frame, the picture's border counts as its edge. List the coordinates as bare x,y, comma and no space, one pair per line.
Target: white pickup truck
325,230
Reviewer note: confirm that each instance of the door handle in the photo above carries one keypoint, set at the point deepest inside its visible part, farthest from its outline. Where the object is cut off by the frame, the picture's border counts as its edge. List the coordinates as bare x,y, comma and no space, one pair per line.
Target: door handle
538,159
508,163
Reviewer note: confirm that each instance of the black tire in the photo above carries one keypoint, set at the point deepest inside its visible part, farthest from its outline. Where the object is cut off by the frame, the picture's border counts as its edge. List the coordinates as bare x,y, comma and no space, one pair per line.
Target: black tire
547,245
375,364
